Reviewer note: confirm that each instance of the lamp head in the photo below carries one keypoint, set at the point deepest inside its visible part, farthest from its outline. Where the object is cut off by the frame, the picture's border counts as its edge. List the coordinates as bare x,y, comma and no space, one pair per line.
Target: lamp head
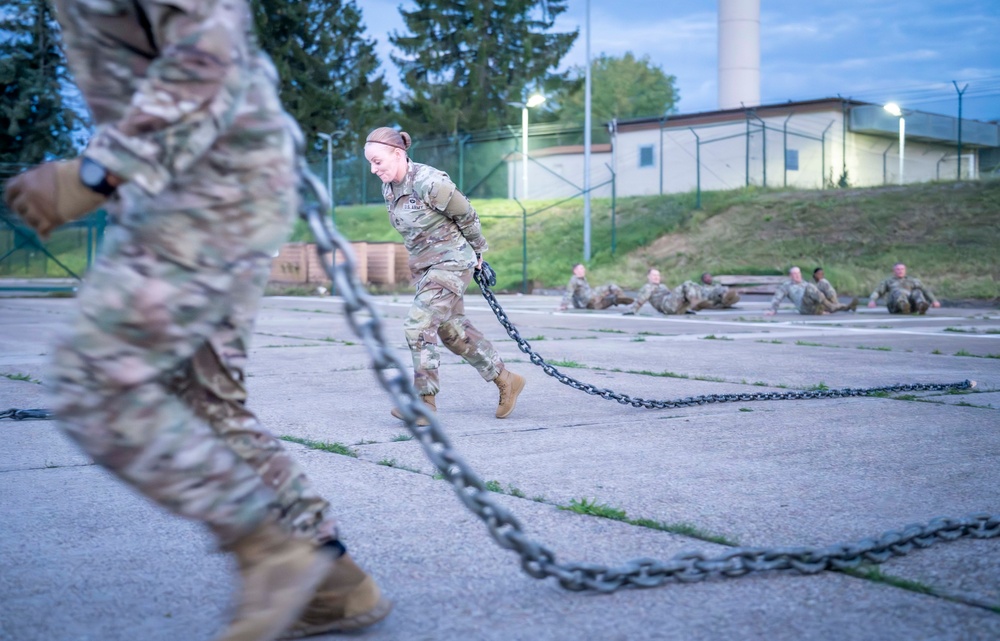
893,108
535,100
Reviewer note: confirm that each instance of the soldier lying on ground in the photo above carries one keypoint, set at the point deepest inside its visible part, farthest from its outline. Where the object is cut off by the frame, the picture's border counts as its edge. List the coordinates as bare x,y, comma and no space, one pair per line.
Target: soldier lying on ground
904,294
806,298
825,288
713,296
581,296
661,298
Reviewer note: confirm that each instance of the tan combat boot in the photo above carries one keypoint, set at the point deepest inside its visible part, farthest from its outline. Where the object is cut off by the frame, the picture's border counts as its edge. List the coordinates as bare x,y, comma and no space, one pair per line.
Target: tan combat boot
280,575
429,400
510,385
922,307
730,298
853,306
347,599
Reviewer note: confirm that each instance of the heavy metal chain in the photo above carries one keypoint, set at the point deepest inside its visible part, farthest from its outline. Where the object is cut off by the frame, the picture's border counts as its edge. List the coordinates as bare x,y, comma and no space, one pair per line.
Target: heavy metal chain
486,278
536,559
21,415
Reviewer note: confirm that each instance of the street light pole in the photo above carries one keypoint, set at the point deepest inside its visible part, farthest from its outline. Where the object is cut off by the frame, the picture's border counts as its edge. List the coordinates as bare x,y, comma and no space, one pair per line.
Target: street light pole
329,165
524,151
533,101
895,110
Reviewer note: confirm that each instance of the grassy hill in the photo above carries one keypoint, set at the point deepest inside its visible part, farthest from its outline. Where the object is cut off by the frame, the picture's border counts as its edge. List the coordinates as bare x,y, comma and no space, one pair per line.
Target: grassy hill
948,234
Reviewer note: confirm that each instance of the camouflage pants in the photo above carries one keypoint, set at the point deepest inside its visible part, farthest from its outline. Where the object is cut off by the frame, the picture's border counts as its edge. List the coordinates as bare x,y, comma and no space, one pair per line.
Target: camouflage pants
901,301
680,300
604,296
814,302
716,297
149,383
438,311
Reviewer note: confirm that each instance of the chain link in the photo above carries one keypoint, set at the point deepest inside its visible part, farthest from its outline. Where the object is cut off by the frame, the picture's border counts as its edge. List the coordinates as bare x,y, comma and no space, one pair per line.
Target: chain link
486,278
21,415
537,560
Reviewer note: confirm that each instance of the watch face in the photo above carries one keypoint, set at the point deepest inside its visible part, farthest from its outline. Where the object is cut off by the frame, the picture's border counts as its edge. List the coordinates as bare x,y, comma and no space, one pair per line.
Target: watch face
91,174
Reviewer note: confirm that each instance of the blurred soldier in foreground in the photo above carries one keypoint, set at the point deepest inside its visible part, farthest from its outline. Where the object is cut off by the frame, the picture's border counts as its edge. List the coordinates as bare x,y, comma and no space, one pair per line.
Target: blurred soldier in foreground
442,234
825,288
714,296
805,296
904,294
581,296
661,298
194,158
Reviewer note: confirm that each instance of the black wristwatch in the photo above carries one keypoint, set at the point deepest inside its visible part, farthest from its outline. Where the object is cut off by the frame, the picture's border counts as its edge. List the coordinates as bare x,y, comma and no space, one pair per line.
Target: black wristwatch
95,177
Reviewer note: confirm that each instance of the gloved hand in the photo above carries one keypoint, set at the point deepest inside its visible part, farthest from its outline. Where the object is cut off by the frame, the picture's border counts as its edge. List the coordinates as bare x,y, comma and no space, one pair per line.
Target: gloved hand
51,195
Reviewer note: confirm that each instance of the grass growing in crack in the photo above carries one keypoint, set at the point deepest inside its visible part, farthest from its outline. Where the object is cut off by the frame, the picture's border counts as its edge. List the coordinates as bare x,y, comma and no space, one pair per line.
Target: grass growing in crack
713,337
610,331
937,351
651,334
875,574
513,491
772,342
711,379
760,383
962,352
391,462
401,437
808,344
21,377
494,486
536,338
334,448
818,387
877,349
438,476
593,508
566,364
638,339
745,409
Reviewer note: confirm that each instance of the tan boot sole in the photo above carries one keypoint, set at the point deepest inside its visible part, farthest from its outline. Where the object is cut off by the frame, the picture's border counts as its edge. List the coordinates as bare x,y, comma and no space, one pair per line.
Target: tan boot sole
420,419
347,624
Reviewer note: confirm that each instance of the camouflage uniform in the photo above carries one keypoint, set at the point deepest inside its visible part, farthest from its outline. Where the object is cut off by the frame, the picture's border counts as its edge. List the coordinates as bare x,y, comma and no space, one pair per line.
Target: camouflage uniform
806,298
713,296
443,249
825,288
663,300
149,378
903,295
581,296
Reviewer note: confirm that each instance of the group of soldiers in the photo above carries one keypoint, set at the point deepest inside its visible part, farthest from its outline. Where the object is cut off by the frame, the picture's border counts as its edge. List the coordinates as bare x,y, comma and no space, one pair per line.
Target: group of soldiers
686,298
903,294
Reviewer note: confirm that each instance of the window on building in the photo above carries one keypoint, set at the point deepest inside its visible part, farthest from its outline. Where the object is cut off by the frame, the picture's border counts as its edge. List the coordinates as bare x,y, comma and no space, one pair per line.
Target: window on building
646,156
792,159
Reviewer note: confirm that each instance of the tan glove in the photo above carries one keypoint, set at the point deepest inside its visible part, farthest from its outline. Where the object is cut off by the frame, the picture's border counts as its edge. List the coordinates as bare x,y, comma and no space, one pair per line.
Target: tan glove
51,195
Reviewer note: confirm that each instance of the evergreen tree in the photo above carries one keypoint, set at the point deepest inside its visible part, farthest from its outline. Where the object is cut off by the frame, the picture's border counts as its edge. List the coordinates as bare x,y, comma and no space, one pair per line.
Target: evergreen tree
35,121
329,70
463,62
626,87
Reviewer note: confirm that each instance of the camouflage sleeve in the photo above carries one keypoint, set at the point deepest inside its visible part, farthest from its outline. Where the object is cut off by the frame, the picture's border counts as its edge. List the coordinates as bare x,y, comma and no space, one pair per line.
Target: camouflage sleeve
567,299
641,298
930,296
442,194
827,290
186,99
779,295
880,291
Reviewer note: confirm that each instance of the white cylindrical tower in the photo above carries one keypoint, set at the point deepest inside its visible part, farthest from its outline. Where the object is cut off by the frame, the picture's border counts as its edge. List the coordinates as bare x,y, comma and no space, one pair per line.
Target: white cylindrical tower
739,53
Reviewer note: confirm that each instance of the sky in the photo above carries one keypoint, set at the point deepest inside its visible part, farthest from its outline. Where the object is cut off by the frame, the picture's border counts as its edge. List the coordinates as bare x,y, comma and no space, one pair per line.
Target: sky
905,52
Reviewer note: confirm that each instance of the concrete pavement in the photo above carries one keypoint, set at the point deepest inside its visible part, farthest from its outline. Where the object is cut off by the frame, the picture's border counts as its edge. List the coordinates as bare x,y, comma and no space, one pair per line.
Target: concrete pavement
83,557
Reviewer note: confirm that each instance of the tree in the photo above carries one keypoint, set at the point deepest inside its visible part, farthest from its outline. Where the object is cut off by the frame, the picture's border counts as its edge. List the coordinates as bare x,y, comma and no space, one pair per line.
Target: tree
463,62
624,87
329,71
36,122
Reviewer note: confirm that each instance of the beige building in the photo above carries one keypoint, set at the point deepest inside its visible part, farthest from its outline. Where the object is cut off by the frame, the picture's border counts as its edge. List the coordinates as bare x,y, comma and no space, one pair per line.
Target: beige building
808,145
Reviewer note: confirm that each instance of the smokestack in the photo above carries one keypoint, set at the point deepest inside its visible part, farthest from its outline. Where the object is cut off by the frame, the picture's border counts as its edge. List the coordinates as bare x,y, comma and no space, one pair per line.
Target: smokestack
739,53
